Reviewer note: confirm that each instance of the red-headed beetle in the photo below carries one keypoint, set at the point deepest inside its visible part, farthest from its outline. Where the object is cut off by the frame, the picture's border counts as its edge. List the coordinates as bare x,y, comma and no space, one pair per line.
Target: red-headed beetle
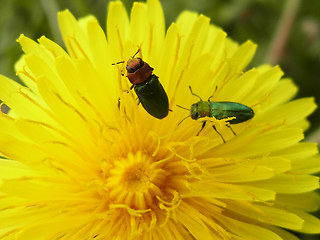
147,87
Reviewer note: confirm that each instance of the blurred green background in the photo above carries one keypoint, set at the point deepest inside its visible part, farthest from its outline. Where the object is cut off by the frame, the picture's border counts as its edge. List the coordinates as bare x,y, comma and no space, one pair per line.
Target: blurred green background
287,33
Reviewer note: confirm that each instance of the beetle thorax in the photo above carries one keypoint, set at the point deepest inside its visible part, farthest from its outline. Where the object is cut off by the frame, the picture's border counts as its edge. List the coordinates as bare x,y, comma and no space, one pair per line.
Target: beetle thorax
200,109
204,109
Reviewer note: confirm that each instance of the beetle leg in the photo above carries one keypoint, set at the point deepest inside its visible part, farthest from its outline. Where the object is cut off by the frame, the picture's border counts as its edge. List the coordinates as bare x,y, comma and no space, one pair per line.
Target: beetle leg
214,127
231,130
202,127
119,103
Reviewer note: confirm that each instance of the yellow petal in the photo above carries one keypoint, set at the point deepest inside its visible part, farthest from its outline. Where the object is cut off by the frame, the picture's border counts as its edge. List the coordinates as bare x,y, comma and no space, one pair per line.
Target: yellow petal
241,86
66,114
19,150
117,29
266,214
248,231
281,218
195,225
311,224
185,21
7,124
157,28
24,73
25,103
278,164
13,169
53,47
168,57
281,93
31,47
262,144
242,56
298,152
266,81
140,28
241,173
307,166
306,201
290,113
282,233
99,47
289,183
230,191
41,69
73,35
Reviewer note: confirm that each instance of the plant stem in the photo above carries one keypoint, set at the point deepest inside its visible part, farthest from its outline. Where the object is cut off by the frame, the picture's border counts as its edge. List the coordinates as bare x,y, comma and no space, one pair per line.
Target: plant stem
282,32
51,8
314,136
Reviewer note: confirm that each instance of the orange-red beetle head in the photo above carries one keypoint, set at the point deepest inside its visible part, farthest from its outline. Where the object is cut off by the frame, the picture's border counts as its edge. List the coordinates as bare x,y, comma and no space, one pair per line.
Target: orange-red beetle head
133,64
138,71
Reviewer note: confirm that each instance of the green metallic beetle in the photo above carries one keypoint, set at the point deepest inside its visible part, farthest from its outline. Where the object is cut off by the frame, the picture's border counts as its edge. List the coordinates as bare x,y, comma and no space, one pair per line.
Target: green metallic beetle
149,90
219,110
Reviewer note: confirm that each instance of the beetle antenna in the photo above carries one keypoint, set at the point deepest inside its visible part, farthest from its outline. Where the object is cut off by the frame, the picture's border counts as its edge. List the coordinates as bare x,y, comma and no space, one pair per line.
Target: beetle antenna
194,93
136,53
124,61
118,63
183,120
215,90
183,107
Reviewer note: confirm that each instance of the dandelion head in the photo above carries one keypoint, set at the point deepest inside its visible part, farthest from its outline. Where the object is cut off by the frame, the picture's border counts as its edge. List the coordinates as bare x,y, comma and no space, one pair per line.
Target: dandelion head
82,159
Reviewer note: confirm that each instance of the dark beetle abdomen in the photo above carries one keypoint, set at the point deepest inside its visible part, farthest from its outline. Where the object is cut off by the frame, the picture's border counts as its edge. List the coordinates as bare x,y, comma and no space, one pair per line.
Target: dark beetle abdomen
153,97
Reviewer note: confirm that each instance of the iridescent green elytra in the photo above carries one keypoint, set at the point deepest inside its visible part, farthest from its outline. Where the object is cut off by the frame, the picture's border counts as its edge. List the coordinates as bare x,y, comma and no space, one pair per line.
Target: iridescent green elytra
222,110
219,110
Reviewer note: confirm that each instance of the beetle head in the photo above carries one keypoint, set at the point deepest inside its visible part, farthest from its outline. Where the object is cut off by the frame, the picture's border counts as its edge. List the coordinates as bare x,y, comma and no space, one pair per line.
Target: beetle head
194,113
133,64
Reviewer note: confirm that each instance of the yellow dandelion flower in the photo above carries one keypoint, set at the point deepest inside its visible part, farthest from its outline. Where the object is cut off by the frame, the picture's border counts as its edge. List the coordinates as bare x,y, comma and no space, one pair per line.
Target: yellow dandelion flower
83,160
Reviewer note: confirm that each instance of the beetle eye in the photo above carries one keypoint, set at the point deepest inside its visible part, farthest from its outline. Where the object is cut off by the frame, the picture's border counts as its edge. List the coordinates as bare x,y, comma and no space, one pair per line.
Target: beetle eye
129,69
141,62
195,115
134,64
194,111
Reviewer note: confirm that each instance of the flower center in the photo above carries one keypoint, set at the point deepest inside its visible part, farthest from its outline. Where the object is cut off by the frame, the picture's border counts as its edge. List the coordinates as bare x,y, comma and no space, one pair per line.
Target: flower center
136,178
135,181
